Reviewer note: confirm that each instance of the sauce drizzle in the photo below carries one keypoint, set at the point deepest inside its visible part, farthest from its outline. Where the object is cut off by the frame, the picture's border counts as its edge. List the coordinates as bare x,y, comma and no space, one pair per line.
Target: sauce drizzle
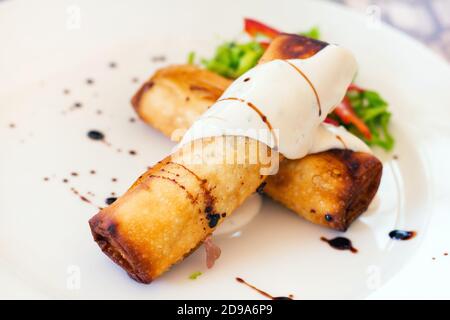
309,82
265,294
340,243
260,114
402,234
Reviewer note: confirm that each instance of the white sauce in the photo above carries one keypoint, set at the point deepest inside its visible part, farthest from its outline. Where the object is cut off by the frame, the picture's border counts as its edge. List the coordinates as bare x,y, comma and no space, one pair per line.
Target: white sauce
329,137
241,216
284,93
278,103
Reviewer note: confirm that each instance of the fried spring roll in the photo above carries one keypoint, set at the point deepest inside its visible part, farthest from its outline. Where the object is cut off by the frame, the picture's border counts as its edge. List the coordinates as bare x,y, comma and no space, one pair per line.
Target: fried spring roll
176,205
330,188
172,208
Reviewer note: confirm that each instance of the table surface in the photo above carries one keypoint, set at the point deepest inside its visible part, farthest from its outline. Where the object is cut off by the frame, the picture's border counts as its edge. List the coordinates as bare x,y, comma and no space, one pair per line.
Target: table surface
425,20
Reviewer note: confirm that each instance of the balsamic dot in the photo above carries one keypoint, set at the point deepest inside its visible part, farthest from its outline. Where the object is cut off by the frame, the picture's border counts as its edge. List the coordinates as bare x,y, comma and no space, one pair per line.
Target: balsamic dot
402,235
112,65
89,81
110,200
260,189
213,219
132,152
246,79
95,135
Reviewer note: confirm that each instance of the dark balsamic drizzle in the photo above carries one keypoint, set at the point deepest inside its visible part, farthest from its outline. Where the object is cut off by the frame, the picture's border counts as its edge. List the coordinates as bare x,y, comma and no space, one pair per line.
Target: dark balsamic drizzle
95,135
82,198
188,194
340,243
402,235
261,115
110,200
260,189
265,294
213,219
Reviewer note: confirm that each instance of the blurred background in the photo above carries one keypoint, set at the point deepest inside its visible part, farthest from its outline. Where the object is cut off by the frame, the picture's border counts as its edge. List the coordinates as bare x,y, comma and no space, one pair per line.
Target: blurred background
425,20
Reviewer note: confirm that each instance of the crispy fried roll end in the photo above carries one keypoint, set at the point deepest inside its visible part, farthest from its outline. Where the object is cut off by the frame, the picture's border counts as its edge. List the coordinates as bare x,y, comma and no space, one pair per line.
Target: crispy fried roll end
173,207
330,188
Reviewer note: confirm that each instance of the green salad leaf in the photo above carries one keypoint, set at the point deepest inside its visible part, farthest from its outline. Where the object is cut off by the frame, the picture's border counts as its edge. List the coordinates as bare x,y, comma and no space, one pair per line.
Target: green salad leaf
373,110
233,59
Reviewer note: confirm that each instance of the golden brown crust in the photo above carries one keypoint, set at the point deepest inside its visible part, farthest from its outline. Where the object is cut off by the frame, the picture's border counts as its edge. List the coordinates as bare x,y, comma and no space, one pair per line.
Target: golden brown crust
193,87
288,46
174,206
330,188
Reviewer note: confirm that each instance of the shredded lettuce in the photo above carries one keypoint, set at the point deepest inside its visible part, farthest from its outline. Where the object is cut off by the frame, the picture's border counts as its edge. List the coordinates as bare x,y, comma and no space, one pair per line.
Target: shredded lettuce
373,110
233,59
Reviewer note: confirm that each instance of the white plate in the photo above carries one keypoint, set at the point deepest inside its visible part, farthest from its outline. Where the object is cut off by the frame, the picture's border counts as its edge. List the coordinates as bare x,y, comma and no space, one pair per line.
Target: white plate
46,249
